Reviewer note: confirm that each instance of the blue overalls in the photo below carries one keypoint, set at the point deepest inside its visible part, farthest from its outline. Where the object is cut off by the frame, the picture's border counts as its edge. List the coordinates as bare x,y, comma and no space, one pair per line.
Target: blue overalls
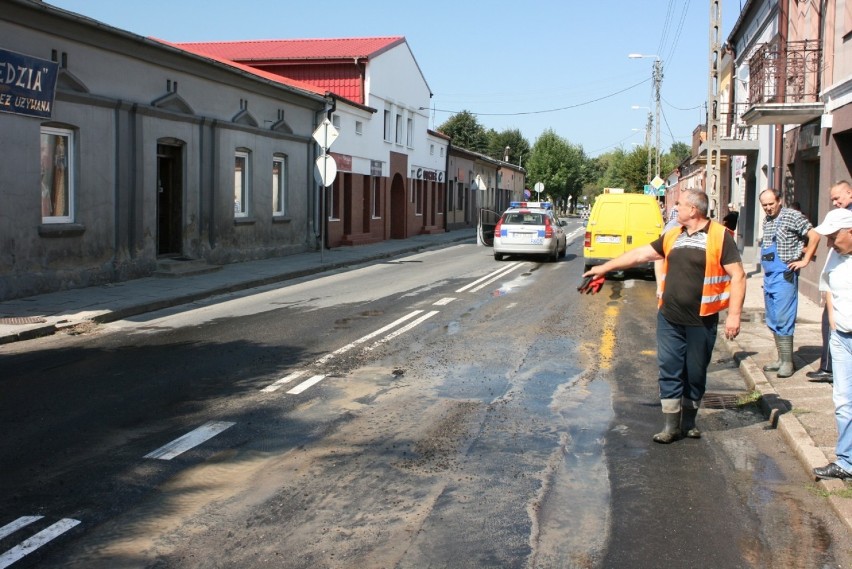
780,291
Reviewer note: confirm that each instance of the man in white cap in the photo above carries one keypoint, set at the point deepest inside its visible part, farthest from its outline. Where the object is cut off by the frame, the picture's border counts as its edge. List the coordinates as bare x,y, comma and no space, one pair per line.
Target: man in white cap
836,278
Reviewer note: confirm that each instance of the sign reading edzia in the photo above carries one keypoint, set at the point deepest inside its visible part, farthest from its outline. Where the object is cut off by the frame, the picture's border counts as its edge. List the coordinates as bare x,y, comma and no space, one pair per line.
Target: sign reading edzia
27,84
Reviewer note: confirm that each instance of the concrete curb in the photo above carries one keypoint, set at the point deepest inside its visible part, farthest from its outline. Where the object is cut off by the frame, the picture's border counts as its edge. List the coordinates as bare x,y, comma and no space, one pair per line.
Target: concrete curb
781,416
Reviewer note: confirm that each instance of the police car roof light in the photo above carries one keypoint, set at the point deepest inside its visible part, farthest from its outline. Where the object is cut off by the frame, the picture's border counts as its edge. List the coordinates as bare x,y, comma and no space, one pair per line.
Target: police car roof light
543,205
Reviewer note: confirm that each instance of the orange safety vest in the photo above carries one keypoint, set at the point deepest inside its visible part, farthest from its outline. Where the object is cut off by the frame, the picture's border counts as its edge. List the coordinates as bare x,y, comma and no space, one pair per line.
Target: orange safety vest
716,292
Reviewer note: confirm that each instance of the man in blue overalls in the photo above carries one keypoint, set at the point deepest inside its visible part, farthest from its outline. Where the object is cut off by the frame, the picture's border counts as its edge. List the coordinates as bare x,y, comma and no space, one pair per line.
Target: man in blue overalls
788,244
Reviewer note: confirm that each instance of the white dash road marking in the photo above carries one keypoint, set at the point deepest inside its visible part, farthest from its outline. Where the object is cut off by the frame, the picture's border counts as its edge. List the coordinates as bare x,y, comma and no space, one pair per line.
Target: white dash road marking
21,522
443,301
190,440
44,536
490,277
284,380
488,282
402,330
369,336
306,384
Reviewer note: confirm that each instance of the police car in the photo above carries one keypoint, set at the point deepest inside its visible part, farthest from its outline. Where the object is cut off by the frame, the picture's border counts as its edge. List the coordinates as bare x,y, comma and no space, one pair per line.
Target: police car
529,228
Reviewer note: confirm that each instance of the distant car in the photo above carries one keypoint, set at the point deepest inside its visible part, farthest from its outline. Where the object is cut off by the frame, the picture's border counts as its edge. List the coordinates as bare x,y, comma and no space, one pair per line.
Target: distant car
530,228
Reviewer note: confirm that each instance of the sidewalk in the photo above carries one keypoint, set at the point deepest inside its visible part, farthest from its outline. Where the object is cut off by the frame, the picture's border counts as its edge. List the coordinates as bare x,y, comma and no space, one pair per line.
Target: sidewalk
43,315
802,410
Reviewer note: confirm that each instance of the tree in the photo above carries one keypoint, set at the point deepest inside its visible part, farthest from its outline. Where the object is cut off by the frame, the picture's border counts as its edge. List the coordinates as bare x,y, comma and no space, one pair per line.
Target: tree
465,131
561,166
519,147
678,152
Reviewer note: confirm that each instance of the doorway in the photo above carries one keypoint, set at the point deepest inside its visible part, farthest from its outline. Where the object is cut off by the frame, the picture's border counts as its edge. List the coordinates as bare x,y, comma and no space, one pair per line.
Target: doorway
169,199
398,209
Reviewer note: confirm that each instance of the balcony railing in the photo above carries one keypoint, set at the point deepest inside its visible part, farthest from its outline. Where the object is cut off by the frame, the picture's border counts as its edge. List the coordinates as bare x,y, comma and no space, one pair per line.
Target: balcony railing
793,76
731,125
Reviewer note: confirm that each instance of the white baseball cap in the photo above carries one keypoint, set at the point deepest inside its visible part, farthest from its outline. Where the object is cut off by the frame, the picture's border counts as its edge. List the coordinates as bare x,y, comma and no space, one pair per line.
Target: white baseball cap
835,220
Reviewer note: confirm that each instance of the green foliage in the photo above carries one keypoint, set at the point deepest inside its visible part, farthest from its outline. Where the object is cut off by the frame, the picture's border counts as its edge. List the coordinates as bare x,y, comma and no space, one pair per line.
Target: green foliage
561,166
519,147
465,131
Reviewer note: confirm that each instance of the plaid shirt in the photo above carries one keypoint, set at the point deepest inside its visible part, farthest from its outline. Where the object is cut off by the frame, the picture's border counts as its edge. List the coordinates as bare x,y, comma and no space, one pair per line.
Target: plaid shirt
789,229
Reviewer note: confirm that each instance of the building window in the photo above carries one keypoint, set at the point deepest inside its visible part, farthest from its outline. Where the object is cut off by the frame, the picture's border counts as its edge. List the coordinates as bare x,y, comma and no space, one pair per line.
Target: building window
398,138
241,184
450,195
376,198
335,121
431,150
387,125
279,185
409,131
359,127
418,205
333,204
57,175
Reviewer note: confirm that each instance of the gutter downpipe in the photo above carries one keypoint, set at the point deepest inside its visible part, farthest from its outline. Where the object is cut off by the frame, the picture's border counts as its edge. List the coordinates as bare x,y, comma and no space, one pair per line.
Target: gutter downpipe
781,97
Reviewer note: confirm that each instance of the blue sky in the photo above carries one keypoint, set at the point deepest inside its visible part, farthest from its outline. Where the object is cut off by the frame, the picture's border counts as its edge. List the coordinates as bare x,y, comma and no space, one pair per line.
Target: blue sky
533,65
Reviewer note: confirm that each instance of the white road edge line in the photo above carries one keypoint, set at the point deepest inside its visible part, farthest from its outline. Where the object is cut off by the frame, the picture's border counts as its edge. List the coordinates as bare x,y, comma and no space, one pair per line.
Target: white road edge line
190,440
306,384
488,282
402,330
363,339
286,379
493,274
29,545
21,522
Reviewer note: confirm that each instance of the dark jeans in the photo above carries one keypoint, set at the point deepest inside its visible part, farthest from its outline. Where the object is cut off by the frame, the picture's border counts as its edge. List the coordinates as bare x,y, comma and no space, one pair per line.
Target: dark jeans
683,354
825,357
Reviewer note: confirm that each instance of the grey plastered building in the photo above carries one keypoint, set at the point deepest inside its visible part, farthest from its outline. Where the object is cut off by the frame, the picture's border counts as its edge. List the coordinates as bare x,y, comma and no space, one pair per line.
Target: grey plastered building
148,153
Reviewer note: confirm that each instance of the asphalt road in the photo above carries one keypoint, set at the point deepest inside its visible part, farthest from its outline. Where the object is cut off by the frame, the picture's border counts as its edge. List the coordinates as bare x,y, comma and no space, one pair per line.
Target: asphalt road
436,410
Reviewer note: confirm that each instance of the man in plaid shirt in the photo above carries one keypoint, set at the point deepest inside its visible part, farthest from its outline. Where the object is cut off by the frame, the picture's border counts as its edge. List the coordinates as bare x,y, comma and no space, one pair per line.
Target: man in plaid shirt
788,244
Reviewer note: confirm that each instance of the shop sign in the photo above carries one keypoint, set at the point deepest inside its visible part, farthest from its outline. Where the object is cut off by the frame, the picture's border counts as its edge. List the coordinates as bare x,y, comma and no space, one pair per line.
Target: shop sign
27,84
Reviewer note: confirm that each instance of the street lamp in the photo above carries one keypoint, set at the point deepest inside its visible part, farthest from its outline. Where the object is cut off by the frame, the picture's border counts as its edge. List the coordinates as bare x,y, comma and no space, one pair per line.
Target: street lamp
658,79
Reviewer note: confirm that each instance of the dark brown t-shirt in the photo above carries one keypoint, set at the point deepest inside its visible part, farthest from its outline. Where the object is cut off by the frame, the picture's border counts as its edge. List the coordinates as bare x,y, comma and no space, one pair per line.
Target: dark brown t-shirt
685,275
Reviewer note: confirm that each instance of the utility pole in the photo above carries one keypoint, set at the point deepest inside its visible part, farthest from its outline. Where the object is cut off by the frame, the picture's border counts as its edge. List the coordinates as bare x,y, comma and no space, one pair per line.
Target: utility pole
658,79
714,149
648,142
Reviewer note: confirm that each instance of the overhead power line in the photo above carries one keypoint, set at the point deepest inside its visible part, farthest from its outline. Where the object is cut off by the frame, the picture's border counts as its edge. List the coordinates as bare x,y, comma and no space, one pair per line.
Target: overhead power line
546,110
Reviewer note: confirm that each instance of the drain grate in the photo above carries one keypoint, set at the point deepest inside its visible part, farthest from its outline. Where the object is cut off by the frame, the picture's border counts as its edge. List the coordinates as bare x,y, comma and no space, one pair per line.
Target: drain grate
22,320
723,400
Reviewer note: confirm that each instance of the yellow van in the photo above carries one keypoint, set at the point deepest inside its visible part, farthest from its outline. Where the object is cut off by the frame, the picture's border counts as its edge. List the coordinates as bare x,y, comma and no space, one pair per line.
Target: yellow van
619,223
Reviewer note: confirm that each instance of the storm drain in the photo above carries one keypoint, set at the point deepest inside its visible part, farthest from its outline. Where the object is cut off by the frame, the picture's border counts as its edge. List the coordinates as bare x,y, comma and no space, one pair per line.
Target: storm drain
22,320
724,400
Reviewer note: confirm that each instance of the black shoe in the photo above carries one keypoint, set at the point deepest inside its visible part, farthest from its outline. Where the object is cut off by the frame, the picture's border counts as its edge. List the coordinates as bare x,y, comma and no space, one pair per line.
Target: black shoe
820,375
832,470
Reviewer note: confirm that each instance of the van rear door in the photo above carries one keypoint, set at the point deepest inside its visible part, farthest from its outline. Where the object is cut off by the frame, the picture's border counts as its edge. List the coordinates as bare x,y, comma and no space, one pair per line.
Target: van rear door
644,224
608,239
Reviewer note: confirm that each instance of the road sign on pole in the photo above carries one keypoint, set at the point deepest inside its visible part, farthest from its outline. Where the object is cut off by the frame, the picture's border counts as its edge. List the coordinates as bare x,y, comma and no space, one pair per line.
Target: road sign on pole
325,134
326,170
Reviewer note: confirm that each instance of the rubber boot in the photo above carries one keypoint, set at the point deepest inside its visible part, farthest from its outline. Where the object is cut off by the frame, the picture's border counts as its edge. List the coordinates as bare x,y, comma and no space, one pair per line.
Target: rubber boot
672,413
785,351
687,421
776,365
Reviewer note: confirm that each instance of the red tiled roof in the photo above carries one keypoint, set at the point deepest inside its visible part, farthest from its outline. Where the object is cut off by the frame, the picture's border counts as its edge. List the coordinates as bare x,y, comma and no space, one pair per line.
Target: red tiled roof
298,49
305,86
327,64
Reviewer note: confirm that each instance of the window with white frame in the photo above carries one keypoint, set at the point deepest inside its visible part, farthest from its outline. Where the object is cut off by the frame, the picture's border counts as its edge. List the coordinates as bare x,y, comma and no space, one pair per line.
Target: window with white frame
387,125
241,183
279,185
398,138
359,127
431,150
335,121
57,175
409,131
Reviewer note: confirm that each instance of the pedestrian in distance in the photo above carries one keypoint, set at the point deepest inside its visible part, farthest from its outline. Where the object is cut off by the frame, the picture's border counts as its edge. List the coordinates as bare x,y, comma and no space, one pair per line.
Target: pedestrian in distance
788,245
702,276
841,197
837,276
730,220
